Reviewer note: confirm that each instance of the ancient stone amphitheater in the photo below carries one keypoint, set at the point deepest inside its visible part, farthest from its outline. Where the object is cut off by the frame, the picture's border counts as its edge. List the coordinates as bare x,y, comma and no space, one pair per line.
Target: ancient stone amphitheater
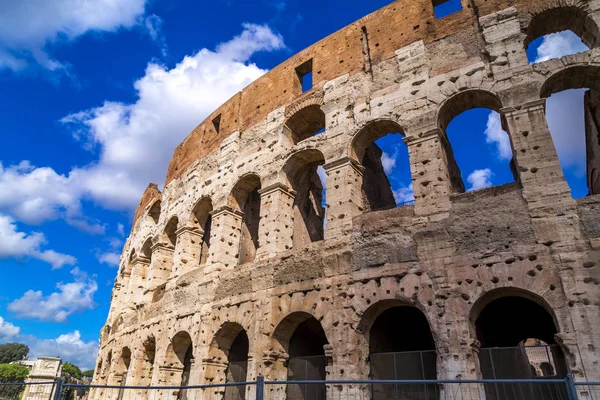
236,269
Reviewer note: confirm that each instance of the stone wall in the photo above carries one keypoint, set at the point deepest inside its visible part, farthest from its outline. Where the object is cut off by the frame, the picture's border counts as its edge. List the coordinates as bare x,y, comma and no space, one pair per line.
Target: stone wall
451,255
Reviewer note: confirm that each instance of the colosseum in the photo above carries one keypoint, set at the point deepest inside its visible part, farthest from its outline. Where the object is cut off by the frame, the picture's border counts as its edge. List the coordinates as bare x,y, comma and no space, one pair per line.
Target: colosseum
246,266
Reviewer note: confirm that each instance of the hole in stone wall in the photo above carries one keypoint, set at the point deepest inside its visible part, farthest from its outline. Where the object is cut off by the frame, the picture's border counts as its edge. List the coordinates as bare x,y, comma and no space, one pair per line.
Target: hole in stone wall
170,236
305,75
217,123
245,198
443,8
154,212
306,123
202,219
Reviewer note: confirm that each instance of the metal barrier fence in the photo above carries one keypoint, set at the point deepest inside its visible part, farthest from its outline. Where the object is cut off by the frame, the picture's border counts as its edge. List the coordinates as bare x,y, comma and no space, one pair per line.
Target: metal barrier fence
500,389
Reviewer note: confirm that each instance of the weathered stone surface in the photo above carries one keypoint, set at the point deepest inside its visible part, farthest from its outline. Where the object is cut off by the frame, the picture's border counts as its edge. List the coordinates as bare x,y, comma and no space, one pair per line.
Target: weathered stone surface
234,242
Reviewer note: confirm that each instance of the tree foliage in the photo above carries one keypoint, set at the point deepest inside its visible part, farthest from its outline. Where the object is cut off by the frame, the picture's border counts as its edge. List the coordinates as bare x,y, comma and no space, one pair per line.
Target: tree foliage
10,352
88,373
13,373
71,372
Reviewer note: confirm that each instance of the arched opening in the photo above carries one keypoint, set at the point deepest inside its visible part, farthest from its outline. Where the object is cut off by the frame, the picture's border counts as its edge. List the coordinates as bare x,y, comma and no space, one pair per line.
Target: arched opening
387,180
305,123
122,370
302,337
517,333
202,219
147,249
154,212
478,149
180,356
246,198
108,364
573,116
170,236
306,179
558,32
401,347
98,372
147,367
237,366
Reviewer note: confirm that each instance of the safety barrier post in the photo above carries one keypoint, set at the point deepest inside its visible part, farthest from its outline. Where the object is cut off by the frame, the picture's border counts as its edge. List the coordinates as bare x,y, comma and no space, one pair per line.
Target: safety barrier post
571,391
260,387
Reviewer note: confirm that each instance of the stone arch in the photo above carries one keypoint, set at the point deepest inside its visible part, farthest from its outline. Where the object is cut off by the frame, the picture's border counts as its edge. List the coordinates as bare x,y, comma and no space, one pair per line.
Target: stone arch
108,364
146,368
202,220
503,320
301,172
571,77
303,344
146,250
128,267
305,118
376,188
452,107
154,212
169,236
179,357
245,198
121,372
562,17
397,332
228,359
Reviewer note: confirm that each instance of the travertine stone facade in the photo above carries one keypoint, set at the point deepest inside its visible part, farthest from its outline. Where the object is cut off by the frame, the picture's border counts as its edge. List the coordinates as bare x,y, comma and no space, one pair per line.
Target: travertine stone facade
235,242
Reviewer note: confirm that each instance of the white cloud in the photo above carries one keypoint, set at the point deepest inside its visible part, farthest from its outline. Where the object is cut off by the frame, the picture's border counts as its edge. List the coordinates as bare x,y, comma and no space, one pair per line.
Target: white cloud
7,330
68,346
404,194
28,26
388,162
16,244
153,24
111,259
559,44
135,141
34,195
480,178
566,121
70,298
121,229
494,134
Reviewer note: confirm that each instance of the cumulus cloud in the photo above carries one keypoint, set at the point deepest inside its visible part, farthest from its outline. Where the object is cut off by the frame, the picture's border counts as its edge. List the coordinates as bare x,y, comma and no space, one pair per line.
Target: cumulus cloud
480,178
135,141
559,44
404,194
495,135
28,26
72,297
34,195
69,347
121,229
7,330
16,244
389,162
110,258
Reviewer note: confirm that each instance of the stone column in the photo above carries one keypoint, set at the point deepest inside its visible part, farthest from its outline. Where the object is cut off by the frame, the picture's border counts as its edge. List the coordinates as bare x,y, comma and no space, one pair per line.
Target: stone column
344,195
430,169
556,223
187,250
160,268
225,239
276,220
137,282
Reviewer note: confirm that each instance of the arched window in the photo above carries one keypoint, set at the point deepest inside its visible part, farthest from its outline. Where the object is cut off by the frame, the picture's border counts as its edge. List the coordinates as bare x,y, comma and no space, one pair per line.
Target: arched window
202,219
245,198
306,177
170,236
305,123
122,370
401,347
558,32
573,115
302,337
511,330
387,180
479,151
237,366
154,212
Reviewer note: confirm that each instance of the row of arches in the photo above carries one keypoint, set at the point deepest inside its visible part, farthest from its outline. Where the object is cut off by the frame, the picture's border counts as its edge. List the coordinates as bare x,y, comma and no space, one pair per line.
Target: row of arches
515,329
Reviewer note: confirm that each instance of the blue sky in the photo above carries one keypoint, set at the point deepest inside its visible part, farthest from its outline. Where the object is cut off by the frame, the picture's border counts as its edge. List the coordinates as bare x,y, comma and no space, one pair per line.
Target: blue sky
93,101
